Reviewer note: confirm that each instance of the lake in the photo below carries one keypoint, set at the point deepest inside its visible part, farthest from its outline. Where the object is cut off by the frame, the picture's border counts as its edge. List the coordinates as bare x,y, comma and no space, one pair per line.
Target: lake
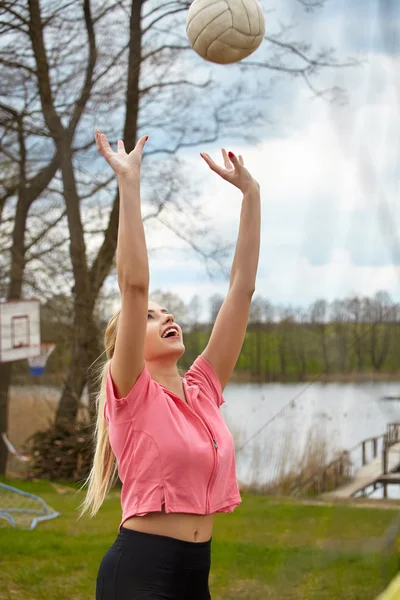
337,415
329,416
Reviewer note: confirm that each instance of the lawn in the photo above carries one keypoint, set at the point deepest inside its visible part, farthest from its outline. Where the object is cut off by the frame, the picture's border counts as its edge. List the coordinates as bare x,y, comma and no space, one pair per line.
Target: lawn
267,549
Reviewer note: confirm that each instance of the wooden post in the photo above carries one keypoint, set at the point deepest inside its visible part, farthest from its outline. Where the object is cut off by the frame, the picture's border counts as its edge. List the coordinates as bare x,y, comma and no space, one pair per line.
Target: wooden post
364,458
385,454
385,490
375,447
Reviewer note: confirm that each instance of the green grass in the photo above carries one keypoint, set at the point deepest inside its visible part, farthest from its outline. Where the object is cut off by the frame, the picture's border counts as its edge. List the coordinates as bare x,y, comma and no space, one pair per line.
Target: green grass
267,549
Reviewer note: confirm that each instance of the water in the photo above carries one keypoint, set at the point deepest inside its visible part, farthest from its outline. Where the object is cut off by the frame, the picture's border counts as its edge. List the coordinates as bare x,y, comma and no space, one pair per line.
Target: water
343,414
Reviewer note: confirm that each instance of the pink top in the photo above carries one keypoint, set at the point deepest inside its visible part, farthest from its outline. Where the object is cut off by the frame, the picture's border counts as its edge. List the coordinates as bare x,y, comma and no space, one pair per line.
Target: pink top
169,452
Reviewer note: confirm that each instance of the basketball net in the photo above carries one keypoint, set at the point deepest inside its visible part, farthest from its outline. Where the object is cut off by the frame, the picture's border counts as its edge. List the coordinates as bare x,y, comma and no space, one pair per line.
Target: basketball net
38,363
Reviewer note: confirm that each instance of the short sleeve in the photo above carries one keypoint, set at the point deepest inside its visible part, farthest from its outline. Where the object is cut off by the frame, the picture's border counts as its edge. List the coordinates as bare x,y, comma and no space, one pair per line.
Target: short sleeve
123,409
201,373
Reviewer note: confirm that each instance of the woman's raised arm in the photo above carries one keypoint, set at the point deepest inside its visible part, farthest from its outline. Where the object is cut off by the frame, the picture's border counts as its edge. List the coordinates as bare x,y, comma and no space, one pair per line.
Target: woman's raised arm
229,330
132,265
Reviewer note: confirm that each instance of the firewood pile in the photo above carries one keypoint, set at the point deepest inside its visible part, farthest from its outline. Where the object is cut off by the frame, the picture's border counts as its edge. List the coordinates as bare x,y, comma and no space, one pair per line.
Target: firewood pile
61,452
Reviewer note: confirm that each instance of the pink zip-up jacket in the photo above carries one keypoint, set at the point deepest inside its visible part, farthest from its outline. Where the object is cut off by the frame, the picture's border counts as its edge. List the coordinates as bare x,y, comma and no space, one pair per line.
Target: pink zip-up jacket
170,453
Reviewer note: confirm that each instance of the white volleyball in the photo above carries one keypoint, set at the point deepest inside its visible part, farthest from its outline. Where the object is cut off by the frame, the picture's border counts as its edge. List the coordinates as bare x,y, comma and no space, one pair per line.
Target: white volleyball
225,31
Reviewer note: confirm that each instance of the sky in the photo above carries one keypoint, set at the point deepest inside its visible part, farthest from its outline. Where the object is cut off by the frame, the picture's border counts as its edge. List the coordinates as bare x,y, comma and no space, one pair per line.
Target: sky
329,173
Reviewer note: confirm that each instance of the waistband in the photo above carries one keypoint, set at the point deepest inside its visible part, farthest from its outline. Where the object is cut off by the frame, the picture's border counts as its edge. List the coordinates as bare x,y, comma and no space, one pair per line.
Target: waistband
167,549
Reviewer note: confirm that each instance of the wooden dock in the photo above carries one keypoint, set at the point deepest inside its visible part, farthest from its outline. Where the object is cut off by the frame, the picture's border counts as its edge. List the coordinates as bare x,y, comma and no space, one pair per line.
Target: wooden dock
380,467
371,475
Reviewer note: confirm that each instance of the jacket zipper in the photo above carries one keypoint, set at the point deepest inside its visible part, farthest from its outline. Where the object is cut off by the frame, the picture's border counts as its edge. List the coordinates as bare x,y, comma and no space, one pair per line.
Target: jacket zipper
215,453
215,468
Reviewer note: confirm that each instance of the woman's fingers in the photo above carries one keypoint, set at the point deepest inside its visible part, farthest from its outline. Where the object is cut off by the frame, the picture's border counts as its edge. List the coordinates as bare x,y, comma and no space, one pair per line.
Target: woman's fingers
97,139
141,143
230,160
103,145
237,176
226,159
213,165
234,160
100,143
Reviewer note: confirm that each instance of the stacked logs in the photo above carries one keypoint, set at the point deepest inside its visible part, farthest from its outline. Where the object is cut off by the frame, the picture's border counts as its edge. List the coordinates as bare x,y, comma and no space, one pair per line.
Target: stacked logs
61,452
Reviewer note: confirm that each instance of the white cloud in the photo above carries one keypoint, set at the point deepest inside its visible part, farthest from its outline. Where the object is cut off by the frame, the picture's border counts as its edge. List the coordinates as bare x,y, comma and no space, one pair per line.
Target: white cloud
325,176
303,283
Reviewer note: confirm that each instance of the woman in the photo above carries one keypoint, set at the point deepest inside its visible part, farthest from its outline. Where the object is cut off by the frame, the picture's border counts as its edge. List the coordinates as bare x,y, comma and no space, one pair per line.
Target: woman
164,433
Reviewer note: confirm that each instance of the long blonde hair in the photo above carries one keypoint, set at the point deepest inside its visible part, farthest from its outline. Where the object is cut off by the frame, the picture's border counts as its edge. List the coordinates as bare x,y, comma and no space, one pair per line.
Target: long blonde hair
103,473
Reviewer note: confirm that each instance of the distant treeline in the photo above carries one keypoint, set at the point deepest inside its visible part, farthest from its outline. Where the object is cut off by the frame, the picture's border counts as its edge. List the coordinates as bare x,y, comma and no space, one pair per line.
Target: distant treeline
338,340
347,336
290,351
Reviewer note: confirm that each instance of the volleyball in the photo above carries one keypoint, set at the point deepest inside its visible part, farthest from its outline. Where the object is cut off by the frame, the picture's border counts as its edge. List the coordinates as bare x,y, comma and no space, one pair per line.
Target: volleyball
225,31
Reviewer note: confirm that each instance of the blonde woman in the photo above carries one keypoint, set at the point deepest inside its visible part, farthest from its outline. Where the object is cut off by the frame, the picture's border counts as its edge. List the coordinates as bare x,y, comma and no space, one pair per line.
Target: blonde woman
164,433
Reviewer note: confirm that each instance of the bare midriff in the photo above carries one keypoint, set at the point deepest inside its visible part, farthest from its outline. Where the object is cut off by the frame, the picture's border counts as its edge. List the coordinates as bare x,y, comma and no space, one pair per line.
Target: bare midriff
181,526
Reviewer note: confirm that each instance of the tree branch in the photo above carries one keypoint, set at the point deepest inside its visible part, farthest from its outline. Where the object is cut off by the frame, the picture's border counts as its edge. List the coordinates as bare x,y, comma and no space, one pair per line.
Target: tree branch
87,87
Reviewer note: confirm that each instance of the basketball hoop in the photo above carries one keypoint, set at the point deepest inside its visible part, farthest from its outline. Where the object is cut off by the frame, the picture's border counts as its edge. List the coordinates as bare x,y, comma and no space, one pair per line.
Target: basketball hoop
37,363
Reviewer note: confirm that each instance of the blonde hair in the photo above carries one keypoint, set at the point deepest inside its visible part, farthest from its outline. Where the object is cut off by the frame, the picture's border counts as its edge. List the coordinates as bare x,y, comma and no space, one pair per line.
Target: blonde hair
103,473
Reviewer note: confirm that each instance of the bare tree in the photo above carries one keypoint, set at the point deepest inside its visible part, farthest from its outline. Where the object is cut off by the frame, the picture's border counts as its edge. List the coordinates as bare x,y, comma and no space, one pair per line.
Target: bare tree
284,327
21,185
81,74
318,317
195,308
340,319
298,342
258,312
379,313
356,308
215,302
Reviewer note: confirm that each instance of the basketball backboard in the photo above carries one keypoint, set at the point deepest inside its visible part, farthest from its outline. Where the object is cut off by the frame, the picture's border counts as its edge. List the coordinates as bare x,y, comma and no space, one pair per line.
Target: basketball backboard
19,329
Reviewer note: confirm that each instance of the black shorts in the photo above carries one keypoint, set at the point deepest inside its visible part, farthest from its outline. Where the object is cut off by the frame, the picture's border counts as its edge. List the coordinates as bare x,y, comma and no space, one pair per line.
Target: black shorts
144,566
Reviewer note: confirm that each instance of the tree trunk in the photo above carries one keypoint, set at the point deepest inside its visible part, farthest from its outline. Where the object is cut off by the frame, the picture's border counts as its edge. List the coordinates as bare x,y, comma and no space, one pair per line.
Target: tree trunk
14,293
357,336
259,352
282,356
322,330
85,348
340,331
379,344
5,380
17,267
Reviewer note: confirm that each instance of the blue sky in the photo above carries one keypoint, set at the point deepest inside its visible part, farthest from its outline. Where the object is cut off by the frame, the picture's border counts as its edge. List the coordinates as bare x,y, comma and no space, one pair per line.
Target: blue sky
329,174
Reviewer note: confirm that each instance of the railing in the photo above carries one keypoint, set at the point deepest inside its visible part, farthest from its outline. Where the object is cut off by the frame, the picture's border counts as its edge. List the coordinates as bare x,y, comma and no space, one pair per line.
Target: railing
373,441
340,470
329,477
393,433
391,437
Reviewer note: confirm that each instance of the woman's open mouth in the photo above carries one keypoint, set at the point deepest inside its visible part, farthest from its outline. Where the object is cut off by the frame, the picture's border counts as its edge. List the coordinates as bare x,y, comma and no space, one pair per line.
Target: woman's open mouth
171,332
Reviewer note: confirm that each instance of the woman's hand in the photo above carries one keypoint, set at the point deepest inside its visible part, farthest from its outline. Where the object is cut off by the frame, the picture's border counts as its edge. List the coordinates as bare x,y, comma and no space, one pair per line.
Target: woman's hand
121,163
234,171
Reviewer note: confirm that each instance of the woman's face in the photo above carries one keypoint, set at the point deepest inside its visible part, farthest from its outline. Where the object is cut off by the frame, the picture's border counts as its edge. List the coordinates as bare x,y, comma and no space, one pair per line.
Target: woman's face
163,335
